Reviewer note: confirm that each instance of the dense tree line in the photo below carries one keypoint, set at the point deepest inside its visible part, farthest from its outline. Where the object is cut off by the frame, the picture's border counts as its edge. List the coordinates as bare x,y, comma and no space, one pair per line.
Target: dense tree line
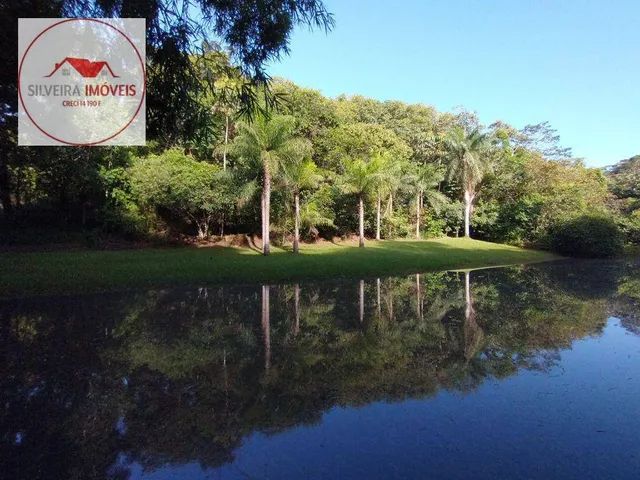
316,166
231,152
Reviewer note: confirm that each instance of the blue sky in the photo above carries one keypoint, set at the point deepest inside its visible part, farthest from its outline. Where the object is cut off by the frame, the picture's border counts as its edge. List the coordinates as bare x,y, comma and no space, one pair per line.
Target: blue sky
575,63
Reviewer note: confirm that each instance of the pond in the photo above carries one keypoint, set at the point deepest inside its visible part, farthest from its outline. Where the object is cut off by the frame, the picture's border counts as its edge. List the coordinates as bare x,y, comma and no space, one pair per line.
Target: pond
517,372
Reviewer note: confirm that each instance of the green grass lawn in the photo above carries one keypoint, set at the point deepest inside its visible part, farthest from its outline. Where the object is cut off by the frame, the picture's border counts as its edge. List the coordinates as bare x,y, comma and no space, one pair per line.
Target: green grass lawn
89,271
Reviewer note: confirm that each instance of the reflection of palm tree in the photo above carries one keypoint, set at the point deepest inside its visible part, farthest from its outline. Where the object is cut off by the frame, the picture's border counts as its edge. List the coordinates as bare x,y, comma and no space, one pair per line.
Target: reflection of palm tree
266,333
473,334
418,297
296,308
361,301
378,297
390,303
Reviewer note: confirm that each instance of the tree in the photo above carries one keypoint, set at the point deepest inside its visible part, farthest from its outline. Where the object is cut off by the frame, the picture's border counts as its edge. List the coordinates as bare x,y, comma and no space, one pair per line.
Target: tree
360,178
468,163
624,178
189,189
544,139
388,171
254,32
424,182
264,144
299,173
315,213
224,86
366,141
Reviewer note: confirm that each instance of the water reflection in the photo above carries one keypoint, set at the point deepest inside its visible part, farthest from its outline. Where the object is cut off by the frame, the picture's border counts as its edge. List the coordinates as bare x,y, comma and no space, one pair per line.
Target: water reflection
109,386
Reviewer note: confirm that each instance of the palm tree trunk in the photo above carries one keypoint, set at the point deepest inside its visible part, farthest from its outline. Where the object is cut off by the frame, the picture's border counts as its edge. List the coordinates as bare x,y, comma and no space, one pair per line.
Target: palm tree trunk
378,208
296,230
266,207
226,141
361,214
468,202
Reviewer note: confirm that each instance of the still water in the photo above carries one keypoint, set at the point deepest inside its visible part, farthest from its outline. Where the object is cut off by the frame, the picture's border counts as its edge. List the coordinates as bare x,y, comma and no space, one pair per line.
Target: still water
519,372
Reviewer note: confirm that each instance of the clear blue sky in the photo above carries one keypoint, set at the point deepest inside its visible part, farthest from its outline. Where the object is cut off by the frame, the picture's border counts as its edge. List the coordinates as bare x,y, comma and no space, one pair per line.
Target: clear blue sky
575,63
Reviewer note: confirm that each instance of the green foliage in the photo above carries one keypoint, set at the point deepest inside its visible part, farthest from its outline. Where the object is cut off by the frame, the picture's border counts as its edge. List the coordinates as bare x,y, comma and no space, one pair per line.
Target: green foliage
451,216
467,157
630,226
413,161
315,215
265,142
397,225
362,140
195,192
587,236
432,226
361,177
121,211
624,183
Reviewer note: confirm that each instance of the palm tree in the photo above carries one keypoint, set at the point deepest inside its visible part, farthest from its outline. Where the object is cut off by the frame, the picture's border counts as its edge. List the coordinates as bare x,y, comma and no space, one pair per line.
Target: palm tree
299,173
264,144
361,178
468,163
393,182
388,182
313,215
424,181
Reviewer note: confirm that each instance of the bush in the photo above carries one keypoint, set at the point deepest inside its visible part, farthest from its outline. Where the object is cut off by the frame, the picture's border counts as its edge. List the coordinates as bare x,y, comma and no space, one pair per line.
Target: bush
397,225
587,236
630,226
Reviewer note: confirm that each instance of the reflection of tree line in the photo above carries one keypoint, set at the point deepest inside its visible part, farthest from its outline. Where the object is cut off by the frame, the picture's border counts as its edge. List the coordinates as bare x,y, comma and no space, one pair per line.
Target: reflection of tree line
189,373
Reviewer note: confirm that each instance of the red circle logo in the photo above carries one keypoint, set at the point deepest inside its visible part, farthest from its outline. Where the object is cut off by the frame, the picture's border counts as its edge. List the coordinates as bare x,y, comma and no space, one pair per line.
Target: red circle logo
81,82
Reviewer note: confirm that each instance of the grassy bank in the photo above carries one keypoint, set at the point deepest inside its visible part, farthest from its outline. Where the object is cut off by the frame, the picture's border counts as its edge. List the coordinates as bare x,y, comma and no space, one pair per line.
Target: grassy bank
87,271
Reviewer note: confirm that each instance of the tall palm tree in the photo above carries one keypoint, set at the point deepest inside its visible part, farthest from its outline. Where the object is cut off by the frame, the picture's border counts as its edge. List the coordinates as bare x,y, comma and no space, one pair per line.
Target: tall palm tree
424,181
388,181
299,173
468,159
393,182
361,178
264,144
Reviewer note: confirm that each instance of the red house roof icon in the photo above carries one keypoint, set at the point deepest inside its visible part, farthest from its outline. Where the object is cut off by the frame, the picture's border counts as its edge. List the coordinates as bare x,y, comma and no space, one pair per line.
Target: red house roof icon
84,67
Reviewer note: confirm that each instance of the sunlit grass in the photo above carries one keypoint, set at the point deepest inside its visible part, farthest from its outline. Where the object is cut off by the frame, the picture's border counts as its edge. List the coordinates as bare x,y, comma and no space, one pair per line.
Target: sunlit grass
88,271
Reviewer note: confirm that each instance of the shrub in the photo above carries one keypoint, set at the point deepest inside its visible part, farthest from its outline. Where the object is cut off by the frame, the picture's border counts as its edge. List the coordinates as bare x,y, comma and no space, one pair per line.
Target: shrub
587,236
194,192
630,226
397,225
433,227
